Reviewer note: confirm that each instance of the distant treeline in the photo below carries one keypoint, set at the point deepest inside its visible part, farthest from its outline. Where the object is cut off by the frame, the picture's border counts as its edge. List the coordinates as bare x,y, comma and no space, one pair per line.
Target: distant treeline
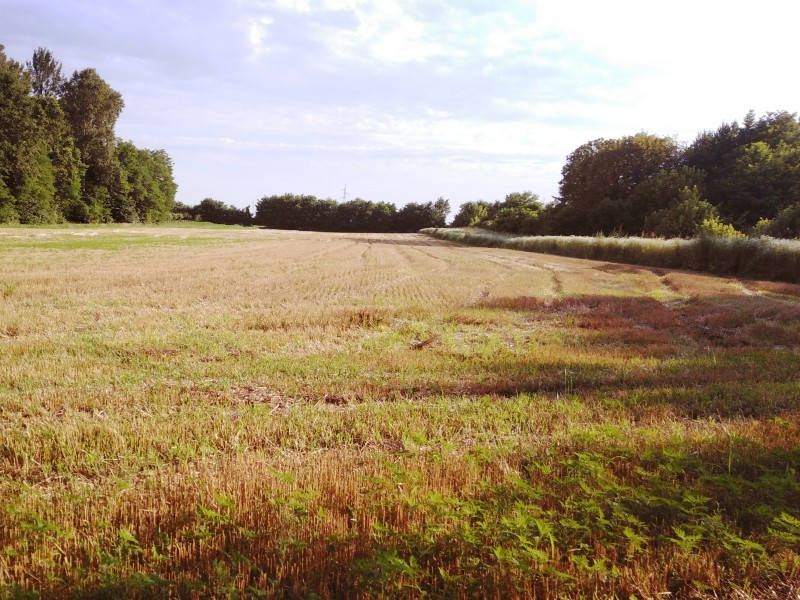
737,180
309,213
213,211
740,180
59,157
291,211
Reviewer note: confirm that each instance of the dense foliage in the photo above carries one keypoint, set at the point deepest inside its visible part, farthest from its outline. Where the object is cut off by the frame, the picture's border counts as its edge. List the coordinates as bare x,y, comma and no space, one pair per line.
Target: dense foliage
308,213
59,157
213,211
518,213
737,179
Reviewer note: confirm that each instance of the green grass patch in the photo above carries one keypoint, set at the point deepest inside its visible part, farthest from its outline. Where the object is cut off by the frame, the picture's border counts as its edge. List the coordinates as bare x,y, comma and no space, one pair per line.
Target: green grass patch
104,242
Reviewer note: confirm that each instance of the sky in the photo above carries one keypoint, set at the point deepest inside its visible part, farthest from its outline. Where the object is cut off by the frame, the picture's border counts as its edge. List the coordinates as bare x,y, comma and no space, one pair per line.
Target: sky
411,100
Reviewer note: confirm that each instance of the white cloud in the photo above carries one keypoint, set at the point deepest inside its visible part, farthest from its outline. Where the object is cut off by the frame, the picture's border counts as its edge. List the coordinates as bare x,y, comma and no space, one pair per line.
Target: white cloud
401,31
302,6
257,34
686,59
384,32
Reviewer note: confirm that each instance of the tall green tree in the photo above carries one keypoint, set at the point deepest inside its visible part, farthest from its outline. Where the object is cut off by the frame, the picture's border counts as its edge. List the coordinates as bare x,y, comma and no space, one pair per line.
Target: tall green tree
600,176
415,216
753,169
147,193
517,213
58,155
26,171
158,206
8,205
664,189
682,218
472,214
45,73
16,127
92,108
441,208
68,169
36,197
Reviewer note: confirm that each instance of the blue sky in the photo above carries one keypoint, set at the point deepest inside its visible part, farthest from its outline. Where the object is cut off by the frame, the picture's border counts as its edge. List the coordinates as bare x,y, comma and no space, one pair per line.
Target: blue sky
409,100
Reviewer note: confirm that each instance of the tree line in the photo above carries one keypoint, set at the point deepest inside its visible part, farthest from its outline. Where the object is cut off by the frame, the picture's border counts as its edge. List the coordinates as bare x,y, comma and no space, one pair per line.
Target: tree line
740,179
59,157
213,211
60,160
293,211
309,213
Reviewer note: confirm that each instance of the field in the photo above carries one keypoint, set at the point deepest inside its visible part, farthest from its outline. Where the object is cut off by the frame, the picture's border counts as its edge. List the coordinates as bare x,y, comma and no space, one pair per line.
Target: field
223,412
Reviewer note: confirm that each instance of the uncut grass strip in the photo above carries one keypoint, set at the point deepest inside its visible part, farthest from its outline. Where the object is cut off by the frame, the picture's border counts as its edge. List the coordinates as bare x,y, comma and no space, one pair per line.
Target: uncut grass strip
759,258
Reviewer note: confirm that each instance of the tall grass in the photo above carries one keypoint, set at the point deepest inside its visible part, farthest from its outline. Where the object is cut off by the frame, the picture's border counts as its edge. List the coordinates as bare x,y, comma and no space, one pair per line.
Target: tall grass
758,258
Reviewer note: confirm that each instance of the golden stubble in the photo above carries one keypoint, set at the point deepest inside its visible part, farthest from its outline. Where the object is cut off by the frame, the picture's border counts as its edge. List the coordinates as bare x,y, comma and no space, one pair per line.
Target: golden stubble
290,375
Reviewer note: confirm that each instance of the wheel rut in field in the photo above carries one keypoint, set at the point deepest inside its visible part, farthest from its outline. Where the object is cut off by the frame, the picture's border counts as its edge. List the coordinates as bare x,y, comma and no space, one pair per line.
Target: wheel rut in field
512,265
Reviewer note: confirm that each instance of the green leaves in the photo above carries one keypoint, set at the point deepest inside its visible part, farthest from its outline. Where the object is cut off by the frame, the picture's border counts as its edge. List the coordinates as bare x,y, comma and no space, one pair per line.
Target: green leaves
305,212
688,543
146,192
519,212
127,543
785,530
598,181
59,157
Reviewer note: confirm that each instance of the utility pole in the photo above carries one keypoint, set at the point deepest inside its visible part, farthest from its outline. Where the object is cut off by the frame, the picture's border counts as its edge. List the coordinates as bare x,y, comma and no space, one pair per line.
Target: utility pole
344,194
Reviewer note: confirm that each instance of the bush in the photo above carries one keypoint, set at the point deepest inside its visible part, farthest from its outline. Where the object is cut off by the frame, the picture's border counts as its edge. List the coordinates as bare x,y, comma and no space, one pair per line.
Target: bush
785,225
683,218
714,228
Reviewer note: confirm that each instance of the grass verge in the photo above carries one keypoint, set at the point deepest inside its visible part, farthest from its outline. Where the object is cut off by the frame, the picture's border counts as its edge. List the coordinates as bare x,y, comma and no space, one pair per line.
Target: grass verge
761,258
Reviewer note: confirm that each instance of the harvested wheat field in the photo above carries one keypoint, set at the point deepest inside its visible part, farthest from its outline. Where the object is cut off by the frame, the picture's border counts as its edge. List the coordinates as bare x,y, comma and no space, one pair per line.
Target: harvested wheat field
203,412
